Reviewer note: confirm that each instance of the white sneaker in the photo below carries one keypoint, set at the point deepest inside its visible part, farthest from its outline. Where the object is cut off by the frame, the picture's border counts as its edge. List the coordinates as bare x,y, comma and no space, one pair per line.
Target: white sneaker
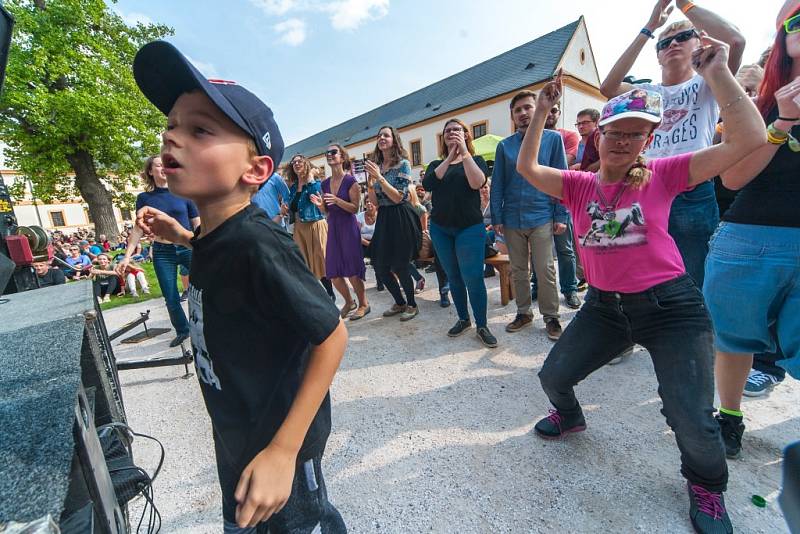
134,294
107,298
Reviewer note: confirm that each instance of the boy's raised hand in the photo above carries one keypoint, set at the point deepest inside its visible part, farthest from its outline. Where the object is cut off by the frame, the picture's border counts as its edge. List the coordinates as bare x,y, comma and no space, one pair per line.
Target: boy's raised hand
265,485
156,222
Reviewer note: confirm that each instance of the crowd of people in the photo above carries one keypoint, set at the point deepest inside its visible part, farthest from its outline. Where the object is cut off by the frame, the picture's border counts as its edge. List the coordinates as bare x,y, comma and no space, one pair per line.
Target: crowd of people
673,208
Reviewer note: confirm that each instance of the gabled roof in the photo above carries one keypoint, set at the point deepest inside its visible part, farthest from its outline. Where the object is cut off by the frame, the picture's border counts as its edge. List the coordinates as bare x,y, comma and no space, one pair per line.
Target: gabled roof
526,65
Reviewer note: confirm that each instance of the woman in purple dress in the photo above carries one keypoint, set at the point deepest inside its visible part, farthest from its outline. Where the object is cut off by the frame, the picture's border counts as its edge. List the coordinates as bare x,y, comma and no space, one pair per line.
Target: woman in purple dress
344,257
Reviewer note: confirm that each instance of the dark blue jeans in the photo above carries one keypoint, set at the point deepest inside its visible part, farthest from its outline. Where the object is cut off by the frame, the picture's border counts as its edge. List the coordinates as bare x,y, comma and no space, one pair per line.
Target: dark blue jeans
166,259
565,251
671,321
461,252
692,220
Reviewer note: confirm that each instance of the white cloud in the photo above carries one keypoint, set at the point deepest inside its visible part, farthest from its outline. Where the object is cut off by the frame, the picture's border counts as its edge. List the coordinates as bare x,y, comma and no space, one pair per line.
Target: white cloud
275,7
292,31
206,69
350,14
131,19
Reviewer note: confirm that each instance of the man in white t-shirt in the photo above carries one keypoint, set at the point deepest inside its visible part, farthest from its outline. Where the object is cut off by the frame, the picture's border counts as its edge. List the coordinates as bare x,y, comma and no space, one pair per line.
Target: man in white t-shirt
690,113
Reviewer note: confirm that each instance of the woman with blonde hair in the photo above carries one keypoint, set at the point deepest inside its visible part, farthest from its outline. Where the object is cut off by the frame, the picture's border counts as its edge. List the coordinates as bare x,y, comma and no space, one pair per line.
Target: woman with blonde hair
310,226
167,257
639,289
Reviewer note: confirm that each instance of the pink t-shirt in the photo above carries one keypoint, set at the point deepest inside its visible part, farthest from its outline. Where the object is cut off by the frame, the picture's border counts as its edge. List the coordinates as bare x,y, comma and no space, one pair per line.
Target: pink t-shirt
627,249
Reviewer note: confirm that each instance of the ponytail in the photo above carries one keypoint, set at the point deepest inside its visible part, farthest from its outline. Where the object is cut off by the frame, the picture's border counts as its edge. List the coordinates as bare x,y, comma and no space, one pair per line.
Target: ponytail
638,174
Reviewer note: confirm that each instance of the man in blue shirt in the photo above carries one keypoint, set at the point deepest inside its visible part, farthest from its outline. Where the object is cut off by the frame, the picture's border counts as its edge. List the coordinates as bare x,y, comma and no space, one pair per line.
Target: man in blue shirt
269,198
528,218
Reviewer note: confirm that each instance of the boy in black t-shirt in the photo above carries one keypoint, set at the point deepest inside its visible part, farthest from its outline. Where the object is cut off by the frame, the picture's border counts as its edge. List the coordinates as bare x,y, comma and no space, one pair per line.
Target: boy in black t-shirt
267,339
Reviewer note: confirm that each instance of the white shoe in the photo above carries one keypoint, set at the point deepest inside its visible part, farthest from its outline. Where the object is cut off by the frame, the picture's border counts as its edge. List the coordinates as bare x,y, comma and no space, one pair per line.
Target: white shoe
107,298
134,294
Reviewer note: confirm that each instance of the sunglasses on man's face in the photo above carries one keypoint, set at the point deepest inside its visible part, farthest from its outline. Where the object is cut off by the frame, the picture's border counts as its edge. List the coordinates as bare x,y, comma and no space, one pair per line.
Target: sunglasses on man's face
681,37
792,24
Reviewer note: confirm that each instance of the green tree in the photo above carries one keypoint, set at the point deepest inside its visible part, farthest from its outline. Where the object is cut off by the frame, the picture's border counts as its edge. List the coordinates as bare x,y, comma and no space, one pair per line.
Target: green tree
71,114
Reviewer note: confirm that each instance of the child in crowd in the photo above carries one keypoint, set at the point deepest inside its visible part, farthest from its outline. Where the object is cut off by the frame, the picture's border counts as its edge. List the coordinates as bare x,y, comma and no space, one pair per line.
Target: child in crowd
267,339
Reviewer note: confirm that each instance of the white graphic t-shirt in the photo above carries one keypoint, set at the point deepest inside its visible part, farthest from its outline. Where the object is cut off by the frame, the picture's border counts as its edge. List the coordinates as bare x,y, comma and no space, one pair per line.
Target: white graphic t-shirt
689,118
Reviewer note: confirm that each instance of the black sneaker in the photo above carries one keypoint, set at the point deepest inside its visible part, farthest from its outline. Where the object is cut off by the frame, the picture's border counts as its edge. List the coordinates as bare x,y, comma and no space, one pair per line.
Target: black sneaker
488,271
732,429
185,296
180,338
459,328
444,300
534,295
572,300
486,337
379,287
556,425
707,511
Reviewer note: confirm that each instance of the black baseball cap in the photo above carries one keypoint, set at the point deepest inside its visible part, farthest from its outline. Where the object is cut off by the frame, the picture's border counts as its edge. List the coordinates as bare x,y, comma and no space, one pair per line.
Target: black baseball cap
163,74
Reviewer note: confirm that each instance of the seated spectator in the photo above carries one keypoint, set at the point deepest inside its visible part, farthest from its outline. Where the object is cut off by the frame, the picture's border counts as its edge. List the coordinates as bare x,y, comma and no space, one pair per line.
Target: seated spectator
104,279
80,263
94,248
134,274
366,224
47,276
102,241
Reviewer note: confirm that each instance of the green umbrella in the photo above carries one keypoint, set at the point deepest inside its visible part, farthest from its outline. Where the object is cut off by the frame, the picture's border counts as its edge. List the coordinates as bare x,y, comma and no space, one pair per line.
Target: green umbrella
486,146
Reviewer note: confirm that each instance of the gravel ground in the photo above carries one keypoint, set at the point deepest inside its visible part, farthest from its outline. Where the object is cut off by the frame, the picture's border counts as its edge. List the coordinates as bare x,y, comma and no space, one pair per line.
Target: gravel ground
432,434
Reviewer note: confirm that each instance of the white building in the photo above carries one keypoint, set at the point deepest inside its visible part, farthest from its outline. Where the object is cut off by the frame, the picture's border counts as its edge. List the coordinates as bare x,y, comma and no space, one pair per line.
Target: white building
479,96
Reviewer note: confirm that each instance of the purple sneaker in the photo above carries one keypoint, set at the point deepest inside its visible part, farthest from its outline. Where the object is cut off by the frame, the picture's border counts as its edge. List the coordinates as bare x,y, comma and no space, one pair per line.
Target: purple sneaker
556,425
707,511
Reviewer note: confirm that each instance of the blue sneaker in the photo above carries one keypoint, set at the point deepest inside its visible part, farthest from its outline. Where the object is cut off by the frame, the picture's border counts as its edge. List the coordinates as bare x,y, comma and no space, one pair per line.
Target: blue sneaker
707,511
759,384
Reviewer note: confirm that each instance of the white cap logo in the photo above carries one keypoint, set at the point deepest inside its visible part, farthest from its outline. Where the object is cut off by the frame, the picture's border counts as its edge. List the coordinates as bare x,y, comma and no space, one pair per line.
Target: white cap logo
267,141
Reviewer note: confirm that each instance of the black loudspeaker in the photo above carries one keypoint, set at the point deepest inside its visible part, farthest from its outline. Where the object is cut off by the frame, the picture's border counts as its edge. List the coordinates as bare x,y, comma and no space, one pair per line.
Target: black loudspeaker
6,270
6,27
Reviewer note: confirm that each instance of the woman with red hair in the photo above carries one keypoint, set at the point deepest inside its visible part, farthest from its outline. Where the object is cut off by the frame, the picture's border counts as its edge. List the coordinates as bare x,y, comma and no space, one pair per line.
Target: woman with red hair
752,281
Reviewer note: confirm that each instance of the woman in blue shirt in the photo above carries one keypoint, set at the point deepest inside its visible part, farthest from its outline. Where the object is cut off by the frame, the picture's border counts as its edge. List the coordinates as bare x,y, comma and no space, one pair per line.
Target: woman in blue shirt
398,234
310,226
166,256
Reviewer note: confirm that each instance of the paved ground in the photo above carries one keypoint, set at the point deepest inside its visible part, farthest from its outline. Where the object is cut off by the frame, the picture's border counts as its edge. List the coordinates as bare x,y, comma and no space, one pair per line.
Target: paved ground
433,434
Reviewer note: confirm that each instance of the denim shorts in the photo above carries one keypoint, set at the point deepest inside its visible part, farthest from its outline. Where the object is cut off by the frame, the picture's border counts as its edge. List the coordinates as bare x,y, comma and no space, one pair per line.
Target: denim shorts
752,282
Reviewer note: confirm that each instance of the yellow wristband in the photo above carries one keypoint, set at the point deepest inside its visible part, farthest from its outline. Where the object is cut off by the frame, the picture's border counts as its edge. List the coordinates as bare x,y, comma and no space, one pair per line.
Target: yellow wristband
688,7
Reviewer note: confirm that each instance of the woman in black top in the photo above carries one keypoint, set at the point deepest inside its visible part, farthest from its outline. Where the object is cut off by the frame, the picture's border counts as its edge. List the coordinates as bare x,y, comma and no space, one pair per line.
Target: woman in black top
752,281
456,226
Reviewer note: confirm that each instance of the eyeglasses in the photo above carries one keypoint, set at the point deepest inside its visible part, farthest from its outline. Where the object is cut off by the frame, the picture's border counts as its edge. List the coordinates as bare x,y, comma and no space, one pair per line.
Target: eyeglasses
616,135
454,130
296,161
792,24
332,152
555,111
681,37
583,123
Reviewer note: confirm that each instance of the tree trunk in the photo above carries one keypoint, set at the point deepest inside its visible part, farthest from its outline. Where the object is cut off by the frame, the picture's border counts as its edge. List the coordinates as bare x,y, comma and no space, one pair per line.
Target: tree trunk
94,193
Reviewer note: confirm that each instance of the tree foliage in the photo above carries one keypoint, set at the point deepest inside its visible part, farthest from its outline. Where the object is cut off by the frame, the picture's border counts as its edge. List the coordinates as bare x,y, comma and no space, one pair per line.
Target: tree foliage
70,105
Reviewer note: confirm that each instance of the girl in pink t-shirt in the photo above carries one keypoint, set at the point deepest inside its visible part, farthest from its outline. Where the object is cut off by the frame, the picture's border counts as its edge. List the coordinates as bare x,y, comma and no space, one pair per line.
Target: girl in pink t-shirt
639,290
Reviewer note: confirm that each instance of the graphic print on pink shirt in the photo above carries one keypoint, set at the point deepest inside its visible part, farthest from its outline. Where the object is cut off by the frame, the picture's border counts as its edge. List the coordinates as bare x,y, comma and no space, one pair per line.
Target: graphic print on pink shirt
622,231
615,228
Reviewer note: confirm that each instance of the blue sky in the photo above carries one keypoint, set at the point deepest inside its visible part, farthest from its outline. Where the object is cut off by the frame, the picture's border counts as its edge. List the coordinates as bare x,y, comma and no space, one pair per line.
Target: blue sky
319,62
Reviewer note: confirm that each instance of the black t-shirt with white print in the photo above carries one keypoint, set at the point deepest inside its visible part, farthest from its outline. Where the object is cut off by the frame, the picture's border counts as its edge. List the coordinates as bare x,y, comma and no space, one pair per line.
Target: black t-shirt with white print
254,311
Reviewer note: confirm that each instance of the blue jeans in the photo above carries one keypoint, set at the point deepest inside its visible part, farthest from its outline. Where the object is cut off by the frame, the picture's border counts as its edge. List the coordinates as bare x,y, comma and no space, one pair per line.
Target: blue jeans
565,251
670,320
461,252
166,259
692,219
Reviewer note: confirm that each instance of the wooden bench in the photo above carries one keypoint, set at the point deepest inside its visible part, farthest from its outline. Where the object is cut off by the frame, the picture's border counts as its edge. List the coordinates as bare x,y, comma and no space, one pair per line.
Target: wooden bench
503,266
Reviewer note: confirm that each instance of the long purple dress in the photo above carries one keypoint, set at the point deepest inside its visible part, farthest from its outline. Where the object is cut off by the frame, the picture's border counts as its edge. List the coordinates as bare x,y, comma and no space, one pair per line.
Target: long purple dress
344,255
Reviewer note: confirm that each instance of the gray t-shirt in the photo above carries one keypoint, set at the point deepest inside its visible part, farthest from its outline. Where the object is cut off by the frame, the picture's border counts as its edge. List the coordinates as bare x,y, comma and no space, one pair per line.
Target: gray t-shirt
689,118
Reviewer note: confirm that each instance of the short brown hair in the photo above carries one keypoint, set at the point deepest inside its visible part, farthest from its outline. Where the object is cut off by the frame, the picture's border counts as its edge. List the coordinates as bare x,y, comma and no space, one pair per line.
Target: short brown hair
519,96
467,137
591,113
